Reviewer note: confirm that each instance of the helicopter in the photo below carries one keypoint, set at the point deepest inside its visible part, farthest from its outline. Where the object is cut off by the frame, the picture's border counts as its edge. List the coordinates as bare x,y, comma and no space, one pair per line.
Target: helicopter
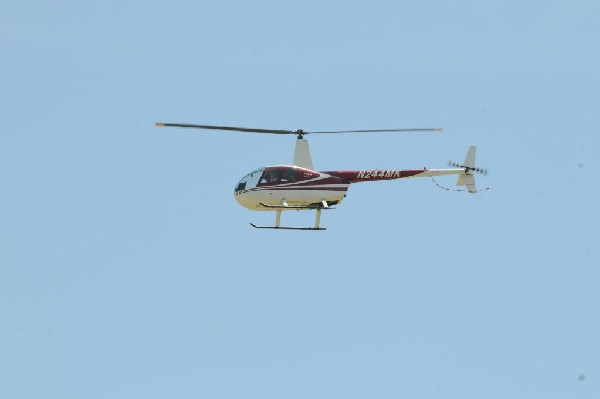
298,186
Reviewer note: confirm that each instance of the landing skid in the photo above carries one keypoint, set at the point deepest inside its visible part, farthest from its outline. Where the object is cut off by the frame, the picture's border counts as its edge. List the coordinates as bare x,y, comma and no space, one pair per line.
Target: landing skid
287,228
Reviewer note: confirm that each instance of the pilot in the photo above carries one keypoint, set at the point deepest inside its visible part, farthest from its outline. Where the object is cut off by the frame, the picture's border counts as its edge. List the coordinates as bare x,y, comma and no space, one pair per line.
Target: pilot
270,177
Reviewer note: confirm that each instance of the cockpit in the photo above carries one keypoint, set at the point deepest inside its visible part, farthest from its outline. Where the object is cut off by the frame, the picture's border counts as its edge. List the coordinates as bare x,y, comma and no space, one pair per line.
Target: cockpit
278,174
272,175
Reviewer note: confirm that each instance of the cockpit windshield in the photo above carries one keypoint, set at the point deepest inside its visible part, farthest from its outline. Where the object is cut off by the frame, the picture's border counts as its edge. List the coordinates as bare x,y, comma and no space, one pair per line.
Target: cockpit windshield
250,180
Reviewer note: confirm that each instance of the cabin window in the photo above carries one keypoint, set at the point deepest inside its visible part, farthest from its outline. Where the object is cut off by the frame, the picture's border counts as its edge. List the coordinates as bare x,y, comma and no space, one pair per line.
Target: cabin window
271,175
282,174
289,175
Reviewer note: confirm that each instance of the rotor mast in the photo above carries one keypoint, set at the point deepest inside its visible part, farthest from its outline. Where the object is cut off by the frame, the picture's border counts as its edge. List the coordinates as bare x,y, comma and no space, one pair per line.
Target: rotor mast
302,156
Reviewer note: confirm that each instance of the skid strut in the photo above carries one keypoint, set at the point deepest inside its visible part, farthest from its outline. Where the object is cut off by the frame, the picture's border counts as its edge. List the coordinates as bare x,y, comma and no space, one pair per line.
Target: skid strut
318,218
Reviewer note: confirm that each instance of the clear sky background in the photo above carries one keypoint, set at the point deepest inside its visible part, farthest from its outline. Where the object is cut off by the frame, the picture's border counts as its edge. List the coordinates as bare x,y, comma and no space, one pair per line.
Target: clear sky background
127,269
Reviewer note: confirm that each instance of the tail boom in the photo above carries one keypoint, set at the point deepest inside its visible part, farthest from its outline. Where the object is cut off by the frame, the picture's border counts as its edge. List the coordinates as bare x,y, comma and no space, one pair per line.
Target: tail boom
464,172
357,176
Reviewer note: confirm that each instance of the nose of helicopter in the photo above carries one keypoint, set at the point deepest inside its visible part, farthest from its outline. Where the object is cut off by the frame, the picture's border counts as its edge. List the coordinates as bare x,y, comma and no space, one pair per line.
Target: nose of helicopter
243,190
244,198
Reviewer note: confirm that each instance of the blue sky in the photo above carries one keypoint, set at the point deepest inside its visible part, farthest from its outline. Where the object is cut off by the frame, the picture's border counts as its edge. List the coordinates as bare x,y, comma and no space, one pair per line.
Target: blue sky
128,270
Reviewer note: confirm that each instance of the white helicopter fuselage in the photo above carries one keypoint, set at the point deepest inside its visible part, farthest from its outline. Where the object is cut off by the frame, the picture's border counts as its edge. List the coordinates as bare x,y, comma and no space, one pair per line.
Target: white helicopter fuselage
289,187
292,187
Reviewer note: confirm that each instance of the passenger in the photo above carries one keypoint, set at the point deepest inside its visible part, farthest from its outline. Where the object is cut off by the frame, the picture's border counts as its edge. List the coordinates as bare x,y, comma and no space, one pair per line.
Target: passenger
289,175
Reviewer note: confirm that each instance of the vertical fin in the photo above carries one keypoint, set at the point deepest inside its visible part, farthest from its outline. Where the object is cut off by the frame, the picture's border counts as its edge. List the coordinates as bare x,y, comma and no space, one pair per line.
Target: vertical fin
467,179
470,158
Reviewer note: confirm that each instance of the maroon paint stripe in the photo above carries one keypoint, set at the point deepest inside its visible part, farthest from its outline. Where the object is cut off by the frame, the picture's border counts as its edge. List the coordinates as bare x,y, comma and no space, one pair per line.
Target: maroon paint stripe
299,189
327,181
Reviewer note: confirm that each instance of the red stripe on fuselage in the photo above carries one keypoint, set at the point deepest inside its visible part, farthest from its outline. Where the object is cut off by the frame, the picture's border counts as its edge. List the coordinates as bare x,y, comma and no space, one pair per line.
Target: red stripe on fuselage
300,188
357,176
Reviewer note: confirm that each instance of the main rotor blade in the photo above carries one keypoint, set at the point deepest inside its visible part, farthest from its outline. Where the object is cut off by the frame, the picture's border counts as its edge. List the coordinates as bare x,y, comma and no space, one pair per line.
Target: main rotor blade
237,129
298,132
437,129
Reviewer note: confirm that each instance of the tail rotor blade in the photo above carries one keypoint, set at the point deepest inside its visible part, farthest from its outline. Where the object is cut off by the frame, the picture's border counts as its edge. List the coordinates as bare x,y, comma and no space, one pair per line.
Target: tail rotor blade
482,171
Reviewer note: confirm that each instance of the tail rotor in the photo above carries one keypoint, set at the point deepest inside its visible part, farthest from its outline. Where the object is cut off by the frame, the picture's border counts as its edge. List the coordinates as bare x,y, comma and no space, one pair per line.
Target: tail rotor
481,171
467,178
